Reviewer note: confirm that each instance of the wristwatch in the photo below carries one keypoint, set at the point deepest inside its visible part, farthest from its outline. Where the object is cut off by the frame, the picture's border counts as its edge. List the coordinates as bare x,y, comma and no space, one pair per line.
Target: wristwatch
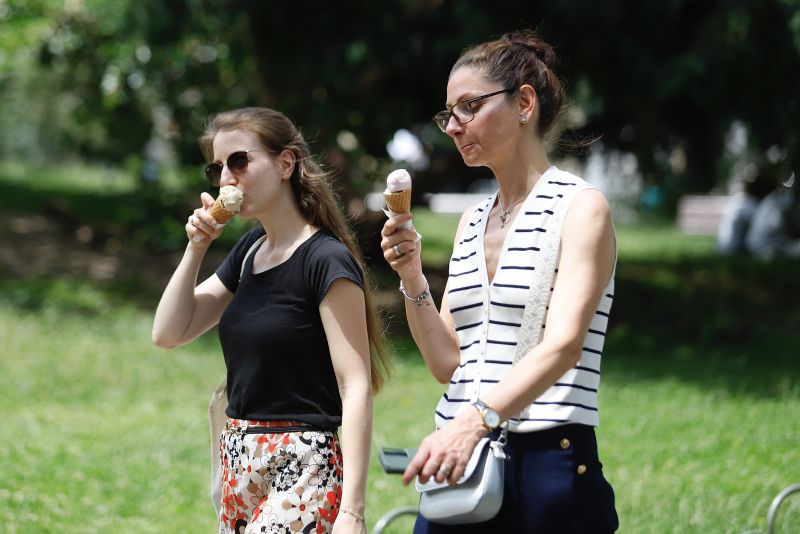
489,416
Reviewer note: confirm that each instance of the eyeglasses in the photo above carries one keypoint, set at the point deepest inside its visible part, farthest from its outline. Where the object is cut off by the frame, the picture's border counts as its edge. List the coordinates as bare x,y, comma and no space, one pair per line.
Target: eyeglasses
462,111
236,163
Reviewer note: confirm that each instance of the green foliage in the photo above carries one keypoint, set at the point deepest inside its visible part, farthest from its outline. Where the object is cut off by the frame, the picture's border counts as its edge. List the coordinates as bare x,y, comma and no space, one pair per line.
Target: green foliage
57,296
53,180
101,79
109,202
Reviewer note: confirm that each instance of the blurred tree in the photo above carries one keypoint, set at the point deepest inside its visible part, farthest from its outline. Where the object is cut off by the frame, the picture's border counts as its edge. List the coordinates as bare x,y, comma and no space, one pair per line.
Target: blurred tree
663,80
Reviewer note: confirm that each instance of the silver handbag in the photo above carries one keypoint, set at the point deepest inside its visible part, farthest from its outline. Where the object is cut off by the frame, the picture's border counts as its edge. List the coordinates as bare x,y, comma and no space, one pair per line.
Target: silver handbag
477,495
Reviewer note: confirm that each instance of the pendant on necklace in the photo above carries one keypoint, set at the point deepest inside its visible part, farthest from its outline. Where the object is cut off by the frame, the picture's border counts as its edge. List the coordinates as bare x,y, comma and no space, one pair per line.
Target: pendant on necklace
503,218
505,212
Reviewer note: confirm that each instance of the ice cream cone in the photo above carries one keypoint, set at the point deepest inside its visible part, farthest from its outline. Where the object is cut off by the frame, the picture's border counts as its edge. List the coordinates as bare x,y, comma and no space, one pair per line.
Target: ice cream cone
227,204
218,211
398,201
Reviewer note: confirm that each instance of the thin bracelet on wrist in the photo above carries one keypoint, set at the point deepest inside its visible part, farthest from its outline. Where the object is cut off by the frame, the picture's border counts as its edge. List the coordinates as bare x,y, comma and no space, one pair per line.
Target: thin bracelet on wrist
423,299
359,517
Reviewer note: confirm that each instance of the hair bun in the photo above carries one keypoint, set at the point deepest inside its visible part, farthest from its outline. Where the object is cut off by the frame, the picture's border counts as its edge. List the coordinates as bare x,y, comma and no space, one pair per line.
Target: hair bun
531,40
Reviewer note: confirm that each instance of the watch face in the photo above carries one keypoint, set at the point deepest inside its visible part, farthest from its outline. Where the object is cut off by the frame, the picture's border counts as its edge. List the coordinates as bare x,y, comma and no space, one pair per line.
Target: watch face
491,418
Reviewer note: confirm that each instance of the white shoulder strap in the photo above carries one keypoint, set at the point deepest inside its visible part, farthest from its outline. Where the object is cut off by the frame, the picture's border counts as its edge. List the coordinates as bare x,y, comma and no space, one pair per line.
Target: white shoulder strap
250,251
217,417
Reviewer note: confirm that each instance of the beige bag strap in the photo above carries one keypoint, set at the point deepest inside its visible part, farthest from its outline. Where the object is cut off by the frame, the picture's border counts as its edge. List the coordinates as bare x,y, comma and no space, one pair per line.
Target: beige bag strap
249,253
216,420
216,412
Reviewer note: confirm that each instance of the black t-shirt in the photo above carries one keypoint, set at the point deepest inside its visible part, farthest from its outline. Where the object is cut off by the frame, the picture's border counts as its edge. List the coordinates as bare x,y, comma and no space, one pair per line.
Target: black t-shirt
277,356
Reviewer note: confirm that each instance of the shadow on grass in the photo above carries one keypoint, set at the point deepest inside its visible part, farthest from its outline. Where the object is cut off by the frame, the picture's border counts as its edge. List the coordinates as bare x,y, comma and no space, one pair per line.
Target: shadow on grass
730,324
725,323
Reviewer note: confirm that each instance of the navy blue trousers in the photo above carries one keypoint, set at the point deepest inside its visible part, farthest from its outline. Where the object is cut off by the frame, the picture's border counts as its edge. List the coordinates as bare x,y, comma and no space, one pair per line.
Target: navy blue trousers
554,484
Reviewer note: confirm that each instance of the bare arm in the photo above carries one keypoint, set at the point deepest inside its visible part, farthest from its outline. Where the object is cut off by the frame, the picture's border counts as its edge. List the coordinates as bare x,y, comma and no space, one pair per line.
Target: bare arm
185,311
344,319
585,267
433,331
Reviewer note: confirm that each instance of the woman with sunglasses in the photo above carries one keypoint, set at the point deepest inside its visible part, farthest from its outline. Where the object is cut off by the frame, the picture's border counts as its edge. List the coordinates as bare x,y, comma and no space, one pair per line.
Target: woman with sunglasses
301,340
521,245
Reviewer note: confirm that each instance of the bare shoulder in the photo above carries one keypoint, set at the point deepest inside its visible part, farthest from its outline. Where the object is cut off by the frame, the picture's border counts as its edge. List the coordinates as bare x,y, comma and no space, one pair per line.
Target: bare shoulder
590,205
588,224
588,233
588,211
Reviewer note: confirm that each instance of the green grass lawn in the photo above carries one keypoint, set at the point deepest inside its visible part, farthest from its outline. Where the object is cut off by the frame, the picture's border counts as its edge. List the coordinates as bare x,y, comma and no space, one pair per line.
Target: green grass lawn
700,400
104,432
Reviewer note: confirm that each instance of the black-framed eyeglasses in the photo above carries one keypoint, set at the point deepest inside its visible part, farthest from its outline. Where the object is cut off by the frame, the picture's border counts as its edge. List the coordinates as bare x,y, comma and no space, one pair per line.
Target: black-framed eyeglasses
237,162
462,111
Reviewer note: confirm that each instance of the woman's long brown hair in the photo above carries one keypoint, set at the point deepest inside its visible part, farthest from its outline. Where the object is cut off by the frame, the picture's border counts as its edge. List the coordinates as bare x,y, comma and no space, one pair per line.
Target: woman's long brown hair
317,201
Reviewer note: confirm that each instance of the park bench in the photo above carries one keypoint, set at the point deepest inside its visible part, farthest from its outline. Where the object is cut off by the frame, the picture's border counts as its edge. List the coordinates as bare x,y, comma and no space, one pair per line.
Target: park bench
701,214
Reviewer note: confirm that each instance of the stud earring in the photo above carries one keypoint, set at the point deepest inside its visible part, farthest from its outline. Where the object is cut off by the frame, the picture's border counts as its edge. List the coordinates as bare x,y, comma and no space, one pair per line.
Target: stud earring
523,118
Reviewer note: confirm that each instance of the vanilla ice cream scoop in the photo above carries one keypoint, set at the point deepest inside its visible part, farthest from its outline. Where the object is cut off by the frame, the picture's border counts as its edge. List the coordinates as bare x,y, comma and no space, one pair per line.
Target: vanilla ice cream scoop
231,198
227,204
398,180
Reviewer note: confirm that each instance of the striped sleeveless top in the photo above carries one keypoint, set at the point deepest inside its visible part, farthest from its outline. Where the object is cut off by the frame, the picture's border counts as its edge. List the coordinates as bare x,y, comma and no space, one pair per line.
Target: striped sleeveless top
488,316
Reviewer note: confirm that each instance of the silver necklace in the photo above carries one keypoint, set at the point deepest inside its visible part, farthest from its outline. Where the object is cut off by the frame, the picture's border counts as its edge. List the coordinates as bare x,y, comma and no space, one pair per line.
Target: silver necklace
504,213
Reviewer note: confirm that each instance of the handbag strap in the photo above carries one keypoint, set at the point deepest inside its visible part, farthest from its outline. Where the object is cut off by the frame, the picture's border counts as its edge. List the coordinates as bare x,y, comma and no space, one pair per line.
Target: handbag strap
249,252
223,386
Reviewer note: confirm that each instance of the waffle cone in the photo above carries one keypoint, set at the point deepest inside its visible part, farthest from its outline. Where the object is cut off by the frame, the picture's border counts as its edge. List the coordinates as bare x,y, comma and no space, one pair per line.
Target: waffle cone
218,211
399,201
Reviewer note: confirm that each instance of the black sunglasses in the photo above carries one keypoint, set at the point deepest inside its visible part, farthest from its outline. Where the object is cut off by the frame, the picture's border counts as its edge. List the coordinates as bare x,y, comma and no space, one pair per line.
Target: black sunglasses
237,162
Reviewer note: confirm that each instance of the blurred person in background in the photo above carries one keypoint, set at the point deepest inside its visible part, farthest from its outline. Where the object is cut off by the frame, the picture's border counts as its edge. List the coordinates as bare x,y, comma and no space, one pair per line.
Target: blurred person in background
762,219
773,230
741,208
301,341
503,97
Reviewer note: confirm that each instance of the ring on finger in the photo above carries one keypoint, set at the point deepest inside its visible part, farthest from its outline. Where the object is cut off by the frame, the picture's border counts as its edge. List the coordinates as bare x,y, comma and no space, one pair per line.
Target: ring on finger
445,470
397,251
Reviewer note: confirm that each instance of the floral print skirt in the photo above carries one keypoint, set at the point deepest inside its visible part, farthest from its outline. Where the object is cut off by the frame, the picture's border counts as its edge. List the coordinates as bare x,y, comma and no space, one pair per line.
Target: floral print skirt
279,477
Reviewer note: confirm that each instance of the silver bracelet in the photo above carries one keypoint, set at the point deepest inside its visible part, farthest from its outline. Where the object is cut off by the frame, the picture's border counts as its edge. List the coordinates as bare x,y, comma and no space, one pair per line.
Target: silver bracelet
359,517
422,300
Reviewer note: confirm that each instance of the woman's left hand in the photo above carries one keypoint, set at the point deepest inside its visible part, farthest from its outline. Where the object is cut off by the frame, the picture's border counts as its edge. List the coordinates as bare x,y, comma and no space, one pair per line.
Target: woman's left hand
445,453
348,524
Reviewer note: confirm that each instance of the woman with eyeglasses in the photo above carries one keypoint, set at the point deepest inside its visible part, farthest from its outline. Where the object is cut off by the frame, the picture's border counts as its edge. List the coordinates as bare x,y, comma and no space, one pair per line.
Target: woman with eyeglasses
533,265
302,343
